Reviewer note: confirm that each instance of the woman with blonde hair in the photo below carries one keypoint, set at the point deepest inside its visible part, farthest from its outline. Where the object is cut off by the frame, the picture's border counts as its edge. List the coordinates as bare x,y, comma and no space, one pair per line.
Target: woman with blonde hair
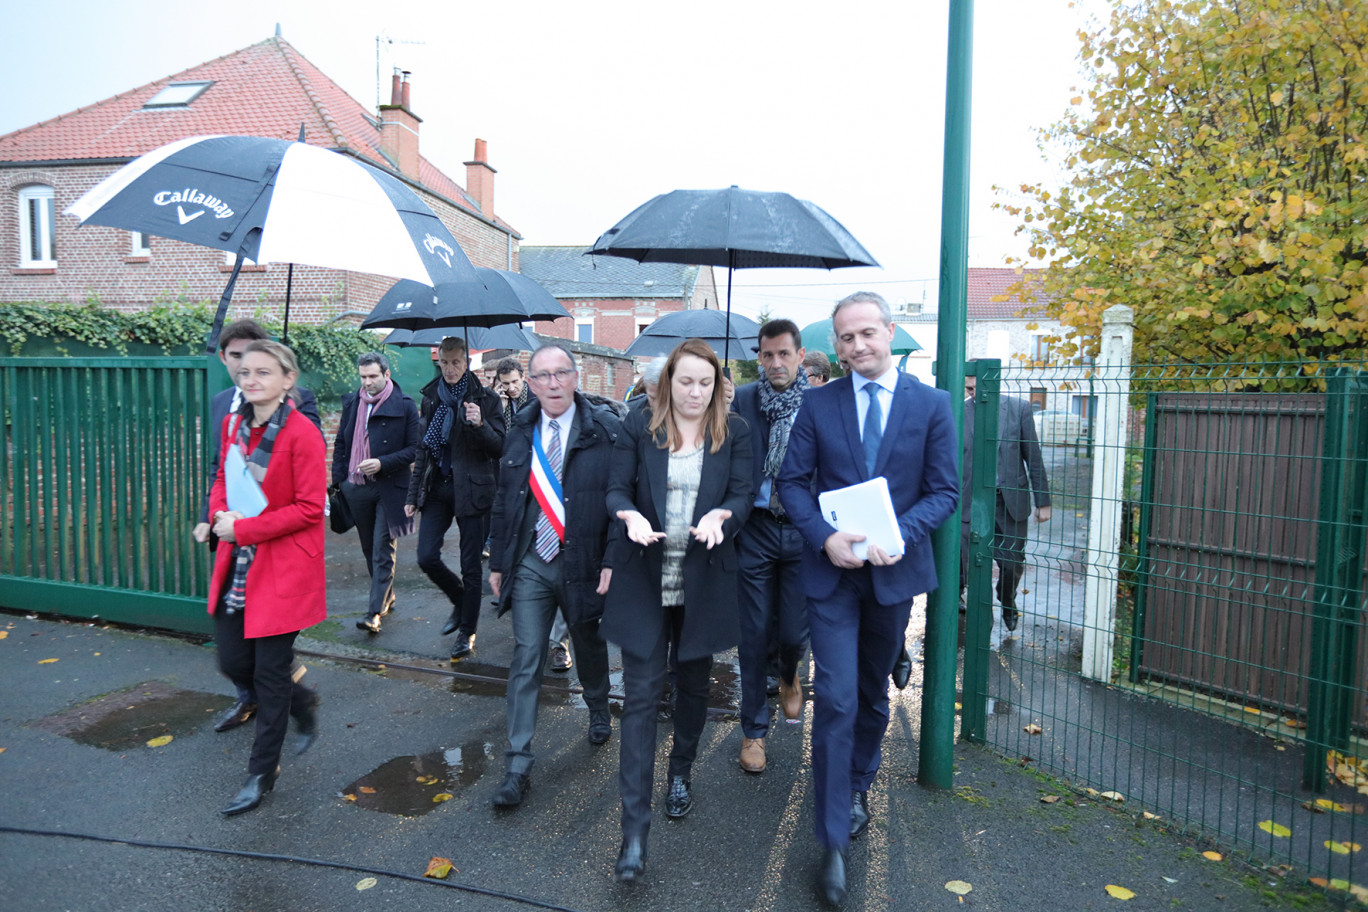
679,480
266,508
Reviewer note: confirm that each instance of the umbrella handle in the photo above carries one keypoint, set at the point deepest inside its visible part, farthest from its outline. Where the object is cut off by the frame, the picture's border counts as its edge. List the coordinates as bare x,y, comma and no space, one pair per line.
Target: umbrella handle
211,343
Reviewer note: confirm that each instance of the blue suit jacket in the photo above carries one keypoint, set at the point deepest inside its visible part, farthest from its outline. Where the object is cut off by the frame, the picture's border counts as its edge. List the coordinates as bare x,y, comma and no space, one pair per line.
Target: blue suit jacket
918,456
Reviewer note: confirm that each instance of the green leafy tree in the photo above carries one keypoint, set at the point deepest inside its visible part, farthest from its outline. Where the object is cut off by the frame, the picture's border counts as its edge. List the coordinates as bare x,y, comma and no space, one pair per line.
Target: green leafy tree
1218,182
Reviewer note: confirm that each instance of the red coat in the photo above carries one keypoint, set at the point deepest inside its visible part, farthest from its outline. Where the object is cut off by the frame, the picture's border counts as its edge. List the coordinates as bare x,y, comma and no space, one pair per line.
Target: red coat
287,583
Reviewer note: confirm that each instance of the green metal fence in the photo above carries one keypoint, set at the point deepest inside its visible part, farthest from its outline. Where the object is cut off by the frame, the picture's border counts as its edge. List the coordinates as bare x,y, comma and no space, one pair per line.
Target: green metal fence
1190,640
101,475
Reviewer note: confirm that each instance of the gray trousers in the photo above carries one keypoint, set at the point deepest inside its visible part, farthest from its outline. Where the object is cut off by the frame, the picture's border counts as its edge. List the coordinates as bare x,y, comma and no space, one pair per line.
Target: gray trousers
376,543
538,590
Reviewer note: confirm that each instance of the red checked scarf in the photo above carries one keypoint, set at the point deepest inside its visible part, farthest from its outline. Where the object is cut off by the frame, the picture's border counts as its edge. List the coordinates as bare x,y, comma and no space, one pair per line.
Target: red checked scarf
235,599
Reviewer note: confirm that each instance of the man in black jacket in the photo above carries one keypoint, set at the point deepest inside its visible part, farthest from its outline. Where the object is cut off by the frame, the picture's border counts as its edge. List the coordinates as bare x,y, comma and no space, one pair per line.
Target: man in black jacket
453,479
551,549
377,438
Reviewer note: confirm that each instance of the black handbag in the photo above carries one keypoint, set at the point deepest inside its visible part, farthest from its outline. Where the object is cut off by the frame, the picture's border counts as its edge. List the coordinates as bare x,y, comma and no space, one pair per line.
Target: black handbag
339,513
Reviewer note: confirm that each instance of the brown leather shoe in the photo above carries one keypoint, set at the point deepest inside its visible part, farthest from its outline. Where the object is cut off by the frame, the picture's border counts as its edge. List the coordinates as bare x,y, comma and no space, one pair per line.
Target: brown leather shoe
791,697
753,755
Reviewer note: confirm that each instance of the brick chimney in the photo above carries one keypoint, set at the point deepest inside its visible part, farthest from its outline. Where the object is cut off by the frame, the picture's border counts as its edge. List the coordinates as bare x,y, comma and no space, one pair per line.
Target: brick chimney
480,179
399,127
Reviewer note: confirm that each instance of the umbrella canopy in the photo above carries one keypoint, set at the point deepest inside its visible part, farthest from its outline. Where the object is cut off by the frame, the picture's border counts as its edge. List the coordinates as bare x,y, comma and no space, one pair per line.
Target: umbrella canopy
739,229
817,337
712,326
478,338
274,200
493,298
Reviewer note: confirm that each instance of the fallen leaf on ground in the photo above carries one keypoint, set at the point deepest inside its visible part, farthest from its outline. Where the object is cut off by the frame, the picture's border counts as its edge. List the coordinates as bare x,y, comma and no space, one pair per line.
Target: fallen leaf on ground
438,868
1148,816
160,742
3,634
1319,882
348,796
958,887
1091,792
1114,796
958,707
366,883
1212,856
1294,723
1277,829
1170,879
1048,799
427,780
1031,729
1312,807
1342,848
1119,892
46,661
366,790
1328,805
2,750
442,796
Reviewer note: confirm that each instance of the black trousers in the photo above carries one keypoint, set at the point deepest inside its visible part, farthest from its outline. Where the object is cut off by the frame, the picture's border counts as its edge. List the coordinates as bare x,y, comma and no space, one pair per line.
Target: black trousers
643,678
266,665
464,590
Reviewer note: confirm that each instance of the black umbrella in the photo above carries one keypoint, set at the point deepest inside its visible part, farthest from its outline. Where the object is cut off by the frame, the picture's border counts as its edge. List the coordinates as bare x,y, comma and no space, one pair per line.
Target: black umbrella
273,200
739,229
478,338
495,297
712,326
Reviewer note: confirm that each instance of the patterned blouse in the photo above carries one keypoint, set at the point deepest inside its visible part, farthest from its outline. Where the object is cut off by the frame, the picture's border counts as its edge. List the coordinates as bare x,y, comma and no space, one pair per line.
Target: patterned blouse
681,496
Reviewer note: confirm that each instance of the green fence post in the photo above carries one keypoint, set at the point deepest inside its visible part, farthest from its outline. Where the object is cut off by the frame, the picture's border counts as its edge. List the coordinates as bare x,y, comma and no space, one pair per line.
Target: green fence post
1339,559
1142,549
982,505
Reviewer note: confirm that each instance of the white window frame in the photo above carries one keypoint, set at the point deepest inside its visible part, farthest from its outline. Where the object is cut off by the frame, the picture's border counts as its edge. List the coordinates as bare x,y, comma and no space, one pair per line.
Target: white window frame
45,229
589,323
139,244
642,323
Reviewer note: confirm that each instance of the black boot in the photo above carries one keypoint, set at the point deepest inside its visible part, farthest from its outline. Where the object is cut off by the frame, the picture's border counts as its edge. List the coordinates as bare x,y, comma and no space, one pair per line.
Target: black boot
305,714
251,794
631,861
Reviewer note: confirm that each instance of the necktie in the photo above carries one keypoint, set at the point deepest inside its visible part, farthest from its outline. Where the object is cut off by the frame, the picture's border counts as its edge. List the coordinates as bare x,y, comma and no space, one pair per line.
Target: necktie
548,542
873,427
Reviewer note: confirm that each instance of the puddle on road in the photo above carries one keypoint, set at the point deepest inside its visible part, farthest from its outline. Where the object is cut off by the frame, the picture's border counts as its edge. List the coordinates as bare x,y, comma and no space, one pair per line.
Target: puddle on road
130,718
411,786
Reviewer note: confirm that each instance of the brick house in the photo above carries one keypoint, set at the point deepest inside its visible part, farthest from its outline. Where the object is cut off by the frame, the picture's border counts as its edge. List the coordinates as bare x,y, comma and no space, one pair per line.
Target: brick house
266,89
611,298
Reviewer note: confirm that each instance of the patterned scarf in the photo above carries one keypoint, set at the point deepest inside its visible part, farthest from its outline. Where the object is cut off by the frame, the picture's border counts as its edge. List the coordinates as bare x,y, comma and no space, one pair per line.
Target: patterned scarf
236,597
360,445
512,406
779,408
449,396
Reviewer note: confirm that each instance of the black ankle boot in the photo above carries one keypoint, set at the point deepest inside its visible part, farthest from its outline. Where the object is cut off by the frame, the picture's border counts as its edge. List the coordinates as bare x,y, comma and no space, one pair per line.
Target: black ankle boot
305,714
251,794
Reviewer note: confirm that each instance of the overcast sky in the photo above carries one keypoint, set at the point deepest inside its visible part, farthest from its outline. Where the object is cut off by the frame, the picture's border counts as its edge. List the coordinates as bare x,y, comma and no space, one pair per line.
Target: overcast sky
591,109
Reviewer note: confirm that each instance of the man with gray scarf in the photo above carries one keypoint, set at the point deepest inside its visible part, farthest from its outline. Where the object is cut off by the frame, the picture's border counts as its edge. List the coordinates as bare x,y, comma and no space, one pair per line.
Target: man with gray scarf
769,548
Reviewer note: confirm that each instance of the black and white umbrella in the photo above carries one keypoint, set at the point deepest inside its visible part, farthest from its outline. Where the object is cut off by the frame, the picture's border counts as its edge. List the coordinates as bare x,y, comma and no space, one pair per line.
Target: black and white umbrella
273,200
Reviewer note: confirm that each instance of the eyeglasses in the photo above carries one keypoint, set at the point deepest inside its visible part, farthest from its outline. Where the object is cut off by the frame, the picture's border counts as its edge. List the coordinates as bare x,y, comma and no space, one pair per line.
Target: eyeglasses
544,378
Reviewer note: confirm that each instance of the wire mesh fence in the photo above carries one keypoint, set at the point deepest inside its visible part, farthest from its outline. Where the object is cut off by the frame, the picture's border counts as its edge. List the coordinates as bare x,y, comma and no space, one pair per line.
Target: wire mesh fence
1188,639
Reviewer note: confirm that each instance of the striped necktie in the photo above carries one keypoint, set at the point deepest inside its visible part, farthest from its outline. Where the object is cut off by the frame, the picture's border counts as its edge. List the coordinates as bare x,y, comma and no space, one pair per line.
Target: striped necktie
548,539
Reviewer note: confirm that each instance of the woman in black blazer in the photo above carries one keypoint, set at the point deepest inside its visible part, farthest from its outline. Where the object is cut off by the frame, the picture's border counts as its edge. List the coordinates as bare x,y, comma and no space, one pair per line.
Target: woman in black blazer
680,481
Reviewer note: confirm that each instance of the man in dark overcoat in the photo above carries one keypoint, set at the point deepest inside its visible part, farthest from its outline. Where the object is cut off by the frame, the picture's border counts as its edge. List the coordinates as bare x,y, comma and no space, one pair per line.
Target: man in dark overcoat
377,438
547,555
453,481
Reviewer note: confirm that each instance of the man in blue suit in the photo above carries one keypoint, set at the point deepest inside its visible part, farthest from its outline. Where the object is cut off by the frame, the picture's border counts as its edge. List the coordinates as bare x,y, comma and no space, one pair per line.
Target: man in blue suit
875,421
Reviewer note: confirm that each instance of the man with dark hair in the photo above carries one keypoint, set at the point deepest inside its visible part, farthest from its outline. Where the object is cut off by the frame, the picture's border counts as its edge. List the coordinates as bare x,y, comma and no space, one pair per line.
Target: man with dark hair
377,439
817,367
875,422
551,543
513,392
769,548
233,340
453,480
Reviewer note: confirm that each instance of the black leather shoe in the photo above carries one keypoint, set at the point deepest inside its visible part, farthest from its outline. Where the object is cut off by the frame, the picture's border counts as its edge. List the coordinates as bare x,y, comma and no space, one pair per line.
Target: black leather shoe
600,726
902,669
1010,616
859,813
831,879
464,647
306,723
631,860
678,802
234,717
370,623
451,623
251,794
561,660
514,789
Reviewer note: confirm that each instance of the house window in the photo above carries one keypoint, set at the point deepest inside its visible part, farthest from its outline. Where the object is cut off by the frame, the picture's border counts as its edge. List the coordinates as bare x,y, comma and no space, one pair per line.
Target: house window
1038,396
1040,349
642,323
584,331
141,245
37,228
177,94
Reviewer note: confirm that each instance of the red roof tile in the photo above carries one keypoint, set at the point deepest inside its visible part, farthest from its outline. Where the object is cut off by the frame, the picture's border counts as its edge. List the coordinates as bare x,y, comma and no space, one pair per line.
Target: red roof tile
986,286
265,89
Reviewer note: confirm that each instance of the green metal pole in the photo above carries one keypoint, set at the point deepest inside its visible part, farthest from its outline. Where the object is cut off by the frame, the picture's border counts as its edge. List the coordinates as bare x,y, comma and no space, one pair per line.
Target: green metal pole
936,757
981,502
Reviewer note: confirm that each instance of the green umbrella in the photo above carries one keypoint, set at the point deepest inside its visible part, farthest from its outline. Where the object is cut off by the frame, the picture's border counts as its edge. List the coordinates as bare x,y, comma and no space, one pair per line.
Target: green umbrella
817,337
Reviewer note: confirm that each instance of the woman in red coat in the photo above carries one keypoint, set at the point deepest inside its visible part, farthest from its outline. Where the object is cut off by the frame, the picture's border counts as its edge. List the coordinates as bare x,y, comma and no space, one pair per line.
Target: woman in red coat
269,580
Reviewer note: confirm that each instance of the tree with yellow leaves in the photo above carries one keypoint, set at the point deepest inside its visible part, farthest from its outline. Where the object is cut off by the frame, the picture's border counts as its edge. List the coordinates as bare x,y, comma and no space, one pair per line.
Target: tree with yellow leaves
1219,182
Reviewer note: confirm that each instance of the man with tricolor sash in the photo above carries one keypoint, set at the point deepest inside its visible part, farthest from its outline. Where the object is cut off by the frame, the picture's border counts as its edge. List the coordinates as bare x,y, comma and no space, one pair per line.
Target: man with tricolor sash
551,549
